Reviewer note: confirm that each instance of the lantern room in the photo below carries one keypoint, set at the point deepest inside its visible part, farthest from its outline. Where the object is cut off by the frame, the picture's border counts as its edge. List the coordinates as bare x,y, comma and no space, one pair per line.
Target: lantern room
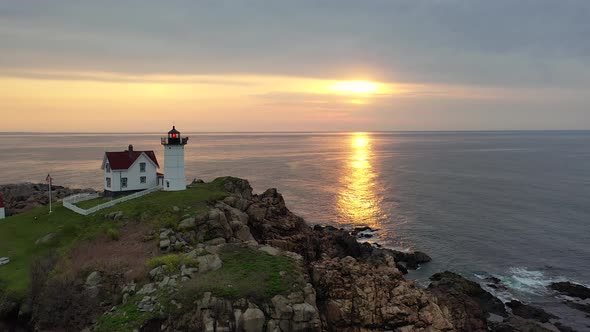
174,138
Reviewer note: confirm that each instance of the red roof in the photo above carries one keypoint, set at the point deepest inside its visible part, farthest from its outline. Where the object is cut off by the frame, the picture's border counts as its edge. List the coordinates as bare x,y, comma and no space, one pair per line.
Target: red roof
1,202
124,159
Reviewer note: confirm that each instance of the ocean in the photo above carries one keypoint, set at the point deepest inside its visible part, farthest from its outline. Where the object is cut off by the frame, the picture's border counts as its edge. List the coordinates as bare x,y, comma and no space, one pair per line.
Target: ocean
515,205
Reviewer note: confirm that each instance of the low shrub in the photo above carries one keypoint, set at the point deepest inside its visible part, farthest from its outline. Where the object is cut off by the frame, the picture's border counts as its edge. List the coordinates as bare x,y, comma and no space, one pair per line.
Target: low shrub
172,262
40,271
64,305
113,233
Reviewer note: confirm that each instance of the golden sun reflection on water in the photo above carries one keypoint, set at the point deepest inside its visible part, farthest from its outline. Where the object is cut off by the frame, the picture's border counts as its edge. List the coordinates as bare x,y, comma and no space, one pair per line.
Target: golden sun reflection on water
358,201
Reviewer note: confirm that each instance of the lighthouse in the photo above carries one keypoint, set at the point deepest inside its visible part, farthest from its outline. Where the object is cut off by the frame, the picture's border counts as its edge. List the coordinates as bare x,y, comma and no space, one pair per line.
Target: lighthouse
174,177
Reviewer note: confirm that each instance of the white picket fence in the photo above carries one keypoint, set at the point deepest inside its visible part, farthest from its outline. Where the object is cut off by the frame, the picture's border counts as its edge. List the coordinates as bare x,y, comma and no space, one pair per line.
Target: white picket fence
70,201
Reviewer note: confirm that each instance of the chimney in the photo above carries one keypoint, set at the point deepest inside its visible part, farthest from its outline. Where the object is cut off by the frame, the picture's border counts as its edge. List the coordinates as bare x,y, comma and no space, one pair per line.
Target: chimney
130,148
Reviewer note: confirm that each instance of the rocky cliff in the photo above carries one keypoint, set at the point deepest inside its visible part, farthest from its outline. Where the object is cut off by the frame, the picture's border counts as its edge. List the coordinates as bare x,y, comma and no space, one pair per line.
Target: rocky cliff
349,286
247,263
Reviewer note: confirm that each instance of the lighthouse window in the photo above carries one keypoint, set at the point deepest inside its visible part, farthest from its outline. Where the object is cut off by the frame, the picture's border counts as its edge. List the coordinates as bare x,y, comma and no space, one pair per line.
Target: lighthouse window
123,182
142,167
108,182
142,179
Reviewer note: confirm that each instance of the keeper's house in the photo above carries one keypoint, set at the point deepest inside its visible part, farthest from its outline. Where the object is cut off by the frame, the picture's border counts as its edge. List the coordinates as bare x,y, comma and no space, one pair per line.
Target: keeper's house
129,171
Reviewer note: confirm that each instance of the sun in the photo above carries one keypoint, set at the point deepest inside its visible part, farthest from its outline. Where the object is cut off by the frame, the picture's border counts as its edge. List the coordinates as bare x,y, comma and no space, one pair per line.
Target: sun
360,141
355,87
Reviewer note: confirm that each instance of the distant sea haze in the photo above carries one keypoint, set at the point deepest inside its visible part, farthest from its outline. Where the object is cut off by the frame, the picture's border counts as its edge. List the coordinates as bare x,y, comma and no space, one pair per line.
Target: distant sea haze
515,205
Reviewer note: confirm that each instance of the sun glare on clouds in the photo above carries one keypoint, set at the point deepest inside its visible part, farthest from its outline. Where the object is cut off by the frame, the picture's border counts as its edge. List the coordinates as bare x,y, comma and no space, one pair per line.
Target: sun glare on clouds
355,87
87,97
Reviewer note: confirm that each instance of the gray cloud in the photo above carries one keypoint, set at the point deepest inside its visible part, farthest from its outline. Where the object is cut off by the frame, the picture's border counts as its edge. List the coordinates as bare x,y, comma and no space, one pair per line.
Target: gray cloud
537,49
497,42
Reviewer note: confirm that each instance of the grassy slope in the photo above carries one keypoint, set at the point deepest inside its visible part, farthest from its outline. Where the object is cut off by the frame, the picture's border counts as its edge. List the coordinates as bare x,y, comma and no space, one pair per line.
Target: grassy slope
19,233
246,273
249,273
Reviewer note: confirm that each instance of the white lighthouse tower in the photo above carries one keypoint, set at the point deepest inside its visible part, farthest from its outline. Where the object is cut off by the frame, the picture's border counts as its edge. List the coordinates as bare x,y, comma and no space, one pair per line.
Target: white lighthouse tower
174,177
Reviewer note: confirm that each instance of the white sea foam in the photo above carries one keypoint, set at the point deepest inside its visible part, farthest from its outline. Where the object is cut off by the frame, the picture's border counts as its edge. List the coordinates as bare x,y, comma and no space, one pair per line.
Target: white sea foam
525,281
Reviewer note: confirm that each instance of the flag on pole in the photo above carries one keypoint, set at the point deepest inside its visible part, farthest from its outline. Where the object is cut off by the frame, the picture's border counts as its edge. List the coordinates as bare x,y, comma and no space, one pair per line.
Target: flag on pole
48,179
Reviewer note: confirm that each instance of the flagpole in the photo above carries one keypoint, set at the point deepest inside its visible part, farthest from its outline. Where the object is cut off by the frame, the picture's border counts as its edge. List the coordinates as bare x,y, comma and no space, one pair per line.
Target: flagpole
49,184
49,196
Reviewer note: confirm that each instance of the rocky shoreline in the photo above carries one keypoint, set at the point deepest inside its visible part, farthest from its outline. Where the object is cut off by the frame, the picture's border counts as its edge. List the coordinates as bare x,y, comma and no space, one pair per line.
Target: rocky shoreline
345,285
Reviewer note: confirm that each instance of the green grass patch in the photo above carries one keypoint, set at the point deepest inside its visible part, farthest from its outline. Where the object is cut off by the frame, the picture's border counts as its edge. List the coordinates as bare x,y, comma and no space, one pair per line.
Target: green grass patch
93,202
248,273
97,201
19,233
172,262
126,317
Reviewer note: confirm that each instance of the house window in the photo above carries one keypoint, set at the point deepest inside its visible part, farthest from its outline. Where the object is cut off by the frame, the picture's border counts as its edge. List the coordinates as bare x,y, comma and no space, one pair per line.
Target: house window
142,167
108,182
123,182
108,167
142,179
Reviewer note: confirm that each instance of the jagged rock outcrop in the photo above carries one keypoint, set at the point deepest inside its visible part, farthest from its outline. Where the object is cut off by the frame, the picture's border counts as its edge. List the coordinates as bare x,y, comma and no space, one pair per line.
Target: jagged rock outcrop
527,311
465,300
271,222
474,309
359,287
571,289
356,296
21,197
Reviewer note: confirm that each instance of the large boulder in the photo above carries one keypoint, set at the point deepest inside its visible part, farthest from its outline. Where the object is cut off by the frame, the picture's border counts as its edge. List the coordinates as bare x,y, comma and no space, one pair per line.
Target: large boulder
252,320
412,259
240,187
243,234
571,289
4,260
208,263
93,279
186,224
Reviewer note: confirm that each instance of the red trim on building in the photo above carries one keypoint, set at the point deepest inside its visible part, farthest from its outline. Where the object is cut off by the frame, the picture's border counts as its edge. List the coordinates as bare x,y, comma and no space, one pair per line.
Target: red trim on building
124,159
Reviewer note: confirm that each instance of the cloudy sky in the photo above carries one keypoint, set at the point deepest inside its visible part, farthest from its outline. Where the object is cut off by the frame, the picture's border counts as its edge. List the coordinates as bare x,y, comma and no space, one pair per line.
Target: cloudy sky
294,65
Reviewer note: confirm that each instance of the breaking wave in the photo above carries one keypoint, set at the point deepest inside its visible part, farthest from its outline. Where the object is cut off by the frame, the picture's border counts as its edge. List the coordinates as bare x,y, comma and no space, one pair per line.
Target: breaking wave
520,282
